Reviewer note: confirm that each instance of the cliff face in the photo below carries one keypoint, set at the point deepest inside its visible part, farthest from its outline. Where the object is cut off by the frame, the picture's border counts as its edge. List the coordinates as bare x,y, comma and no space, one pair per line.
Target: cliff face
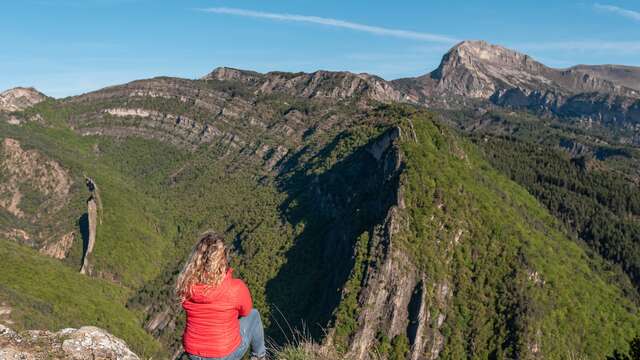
320,84
628,76
33,191
481,71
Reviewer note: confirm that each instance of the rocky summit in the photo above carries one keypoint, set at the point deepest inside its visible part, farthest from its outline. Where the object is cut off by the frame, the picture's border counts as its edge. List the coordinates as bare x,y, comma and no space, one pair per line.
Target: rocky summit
487,209
482,71
19,99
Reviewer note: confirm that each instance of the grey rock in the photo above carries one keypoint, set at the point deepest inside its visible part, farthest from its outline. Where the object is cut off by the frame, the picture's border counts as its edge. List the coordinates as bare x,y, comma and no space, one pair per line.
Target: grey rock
20,98
477,70
86,343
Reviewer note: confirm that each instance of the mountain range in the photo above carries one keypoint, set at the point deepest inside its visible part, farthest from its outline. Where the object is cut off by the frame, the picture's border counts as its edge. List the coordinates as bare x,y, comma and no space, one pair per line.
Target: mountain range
487,209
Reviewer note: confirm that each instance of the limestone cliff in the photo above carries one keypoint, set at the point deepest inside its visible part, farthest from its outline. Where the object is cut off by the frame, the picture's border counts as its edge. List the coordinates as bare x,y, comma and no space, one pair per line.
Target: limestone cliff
92,216
319,84
476,70
396,298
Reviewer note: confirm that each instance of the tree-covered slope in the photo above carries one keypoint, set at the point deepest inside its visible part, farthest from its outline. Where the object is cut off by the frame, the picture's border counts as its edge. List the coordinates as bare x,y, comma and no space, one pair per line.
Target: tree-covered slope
521,286
586,178
470,265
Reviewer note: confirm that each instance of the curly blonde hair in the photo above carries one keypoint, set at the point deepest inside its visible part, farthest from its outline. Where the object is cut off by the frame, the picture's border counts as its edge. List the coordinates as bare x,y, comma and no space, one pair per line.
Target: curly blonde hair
207,265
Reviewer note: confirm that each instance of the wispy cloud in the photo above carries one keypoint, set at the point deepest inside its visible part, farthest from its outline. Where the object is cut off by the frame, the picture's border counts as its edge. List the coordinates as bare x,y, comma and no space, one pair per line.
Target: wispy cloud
376,30
631,14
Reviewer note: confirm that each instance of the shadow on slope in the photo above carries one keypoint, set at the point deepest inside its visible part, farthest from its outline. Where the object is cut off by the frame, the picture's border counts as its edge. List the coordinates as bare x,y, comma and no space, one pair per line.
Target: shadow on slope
343,191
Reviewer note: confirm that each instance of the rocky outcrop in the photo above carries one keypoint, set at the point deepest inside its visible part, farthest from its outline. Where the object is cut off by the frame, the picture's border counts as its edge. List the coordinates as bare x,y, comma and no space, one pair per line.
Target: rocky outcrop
85,343
29,168
476,70
628,76
331,85
230,74
18,235
92,216
399,300
319,84
90,226
33,191
20,98
178,130
59,249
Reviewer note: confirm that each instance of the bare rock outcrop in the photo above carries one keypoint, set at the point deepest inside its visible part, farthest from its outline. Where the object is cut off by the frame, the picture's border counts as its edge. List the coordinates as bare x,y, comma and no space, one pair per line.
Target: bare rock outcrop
399,300
20,98
31,168
628,76
60,248
320,84
92,215
231,74
85,343
476,70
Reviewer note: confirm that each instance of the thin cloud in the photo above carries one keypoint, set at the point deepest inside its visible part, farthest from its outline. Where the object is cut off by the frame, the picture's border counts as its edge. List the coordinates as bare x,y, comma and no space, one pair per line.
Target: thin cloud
631,14
376,30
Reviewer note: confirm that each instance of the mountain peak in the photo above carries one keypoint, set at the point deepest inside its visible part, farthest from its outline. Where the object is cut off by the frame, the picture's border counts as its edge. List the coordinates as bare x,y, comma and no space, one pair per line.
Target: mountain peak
231,74
480,56
483,50
478,69
20,98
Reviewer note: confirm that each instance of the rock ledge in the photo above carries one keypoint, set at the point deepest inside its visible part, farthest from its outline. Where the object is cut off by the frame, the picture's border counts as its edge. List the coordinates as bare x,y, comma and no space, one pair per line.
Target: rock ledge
85,343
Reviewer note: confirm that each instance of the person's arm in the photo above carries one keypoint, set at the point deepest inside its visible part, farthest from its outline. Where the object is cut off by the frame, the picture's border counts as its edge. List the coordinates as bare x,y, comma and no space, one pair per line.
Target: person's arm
245,303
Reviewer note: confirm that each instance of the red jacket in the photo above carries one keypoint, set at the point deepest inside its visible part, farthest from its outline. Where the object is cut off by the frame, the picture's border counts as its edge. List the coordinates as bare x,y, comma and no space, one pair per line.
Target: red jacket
213,328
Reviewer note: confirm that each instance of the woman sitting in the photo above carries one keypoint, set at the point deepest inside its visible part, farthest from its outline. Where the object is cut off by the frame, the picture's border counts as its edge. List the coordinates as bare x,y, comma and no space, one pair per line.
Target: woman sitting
221,321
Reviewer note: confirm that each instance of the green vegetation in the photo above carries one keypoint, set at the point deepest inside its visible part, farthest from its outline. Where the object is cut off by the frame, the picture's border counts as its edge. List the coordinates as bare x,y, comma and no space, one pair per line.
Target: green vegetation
43,293
601,205
346,315
520,282
157,198
633,354
128,213
395,349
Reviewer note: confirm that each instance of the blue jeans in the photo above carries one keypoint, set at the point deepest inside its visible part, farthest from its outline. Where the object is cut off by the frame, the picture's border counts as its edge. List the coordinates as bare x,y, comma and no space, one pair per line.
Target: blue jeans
252,333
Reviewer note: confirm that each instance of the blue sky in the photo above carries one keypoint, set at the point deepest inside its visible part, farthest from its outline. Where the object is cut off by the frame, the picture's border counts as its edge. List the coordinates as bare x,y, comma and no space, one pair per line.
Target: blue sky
67,47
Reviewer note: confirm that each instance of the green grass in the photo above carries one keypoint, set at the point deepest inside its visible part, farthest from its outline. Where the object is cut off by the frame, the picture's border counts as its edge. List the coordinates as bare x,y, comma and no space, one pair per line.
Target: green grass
44,293
134,238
